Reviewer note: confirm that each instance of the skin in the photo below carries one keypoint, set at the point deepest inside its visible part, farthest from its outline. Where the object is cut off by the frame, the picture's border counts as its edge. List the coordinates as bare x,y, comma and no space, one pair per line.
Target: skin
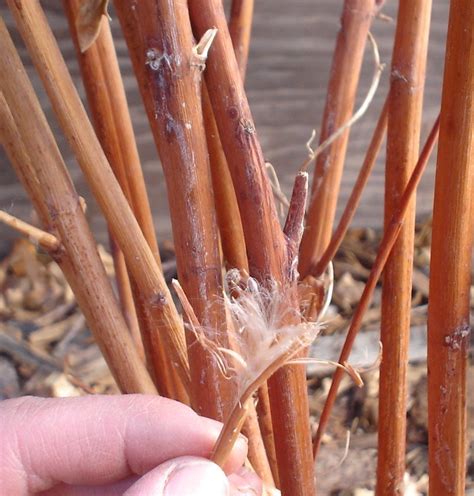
114,445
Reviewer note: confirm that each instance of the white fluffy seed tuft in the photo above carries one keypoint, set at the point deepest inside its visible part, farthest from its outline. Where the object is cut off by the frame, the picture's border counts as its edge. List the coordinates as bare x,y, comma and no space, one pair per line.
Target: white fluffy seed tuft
264,329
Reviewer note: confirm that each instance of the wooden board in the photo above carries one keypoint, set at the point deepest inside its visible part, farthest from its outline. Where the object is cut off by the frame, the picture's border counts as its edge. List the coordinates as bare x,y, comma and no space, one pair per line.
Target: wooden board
289,66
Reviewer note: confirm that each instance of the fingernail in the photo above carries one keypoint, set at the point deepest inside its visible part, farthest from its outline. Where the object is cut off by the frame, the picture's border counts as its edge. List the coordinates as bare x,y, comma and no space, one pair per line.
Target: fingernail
196,478
247,483
243,439
244,471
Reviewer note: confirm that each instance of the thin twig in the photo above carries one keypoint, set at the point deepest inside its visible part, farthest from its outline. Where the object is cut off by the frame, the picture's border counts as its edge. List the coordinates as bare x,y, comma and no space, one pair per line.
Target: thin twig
232,425
46,240
240,27
276,188
379,67
354,199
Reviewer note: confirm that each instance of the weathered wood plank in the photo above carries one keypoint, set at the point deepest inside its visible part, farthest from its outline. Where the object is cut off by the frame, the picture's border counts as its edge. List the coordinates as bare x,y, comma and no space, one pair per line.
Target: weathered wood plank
291,49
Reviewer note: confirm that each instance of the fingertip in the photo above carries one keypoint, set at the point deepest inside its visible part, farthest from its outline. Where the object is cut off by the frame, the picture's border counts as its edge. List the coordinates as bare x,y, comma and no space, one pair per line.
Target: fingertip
246,483
237,456
185,476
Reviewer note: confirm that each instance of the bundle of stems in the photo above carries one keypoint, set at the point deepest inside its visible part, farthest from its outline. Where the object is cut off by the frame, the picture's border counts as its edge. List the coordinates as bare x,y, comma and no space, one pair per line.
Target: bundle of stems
250,289
33,152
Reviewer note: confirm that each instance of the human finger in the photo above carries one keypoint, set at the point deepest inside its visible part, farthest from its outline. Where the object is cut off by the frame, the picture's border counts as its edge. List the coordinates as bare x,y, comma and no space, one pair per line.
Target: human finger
185,476
98,439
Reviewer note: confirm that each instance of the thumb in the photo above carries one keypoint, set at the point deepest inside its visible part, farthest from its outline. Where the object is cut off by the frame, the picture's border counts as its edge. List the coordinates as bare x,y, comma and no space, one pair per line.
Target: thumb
184,476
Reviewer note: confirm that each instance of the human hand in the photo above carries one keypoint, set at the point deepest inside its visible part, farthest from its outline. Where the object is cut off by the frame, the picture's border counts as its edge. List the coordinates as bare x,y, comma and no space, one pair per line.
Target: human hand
134,445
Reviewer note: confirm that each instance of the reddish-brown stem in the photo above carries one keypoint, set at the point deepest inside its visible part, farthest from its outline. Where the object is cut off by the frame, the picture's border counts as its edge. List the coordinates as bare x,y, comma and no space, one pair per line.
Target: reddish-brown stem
240,28
227,209
33,152
347,61
257,454
265,421
403,139
294,224
43,238
168,69
386,245
235,256
450,268
112,122
234,422
228,215
77,128
125,295
352,203
288,392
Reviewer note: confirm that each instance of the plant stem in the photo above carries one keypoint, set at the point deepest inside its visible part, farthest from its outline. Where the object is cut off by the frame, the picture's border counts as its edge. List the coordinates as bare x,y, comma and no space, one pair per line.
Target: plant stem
294,223
240,28
347,62
125,295
403,140
43,238
316,270
159,37
77,128
386,245
234,422
25,134
227,209
450,268
112,122
288,391
257,454
266,429
228,215
230,223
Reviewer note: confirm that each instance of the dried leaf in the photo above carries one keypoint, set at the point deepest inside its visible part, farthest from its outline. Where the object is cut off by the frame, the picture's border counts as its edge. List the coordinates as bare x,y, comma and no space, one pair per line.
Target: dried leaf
89,20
